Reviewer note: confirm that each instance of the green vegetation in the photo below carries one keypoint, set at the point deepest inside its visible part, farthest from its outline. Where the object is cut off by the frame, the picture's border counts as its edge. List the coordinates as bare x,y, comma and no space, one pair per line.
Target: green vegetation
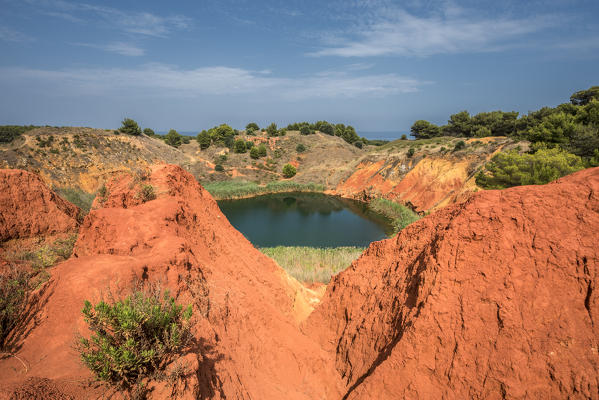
262,150
423,130
204,140
411,152
239,146
289,171
272,130
512,168
14,287
347,133
81,199
146,193
300,148
135,337
173,138
251,128
235,189
219,168
255,153
310,264
130,127
8,133
149,132
584,97
401,215
461,145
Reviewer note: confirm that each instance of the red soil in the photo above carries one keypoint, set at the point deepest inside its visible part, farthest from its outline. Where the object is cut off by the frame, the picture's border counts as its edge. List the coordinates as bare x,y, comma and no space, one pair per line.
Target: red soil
491,298
29,208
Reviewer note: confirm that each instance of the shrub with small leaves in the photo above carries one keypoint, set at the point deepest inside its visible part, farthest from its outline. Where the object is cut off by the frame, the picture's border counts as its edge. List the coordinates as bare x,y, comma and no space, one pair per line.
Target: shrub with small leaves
411,152
289,171
459,146
300,148
135,337
219,168
147,193
14,286
130,127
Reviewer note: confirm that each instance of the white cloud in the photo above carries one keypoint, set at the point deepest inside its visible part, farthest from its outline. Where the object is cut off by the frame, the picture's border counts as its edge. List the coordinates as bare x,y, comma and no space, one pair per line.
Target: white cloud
394,31
124,49
136,22
163,80
11,35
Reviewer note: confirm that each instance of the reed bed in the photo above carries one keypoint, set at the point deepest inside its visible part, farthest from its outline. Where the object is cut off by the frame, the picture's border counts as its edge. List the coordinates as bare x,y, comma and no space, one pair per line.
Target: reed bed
238,189
401,215
312,264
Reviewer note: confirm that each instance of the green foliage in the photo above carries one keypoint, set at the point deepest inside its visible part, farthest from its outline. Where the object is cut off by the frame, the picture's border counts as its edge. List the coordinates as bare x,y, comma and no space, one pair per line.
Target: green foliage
8,133
130,127
219,168
325,127
514,169
133,337
81,199
424,130
411,152
272,130
149,132
146,193
262,150
173,138
239,146
14,287
305,130
254,153
102,193
204,139
222,135
249,144
461,145
358,144
234,189
401,215
289,171
300,148
312,264
251,128
583,97
404,137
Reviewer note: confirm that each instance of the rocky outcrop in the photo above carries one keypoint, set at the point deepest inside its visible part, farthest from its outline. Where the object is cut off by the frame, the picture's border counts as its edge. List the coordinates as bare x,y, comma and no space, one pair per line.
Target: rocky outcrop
493,298
29,208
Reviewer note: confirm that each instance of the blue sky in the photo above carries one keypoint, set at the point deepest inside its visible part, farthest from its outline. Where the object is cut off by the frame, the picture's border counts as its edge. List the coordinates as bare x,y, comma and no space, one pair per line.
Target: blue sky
378,65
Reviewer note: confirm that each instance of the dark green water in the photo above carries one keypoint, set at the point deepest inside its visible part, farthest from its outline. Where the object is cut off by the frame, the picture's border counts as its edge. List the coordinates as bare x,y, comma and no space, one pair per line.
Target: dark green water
305,219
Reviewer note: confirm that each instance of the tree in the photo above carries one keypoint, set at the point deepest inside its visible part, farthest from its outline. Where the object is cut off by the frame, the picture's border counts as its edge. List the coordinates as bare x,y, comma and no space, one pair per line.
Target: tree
513,169
149,132
130,127
410,152
422,129
289,171
203,139
173,138
249,144
325,127
271,130
459,125
239,146
251,127
583,97
404,137
262,150
305,130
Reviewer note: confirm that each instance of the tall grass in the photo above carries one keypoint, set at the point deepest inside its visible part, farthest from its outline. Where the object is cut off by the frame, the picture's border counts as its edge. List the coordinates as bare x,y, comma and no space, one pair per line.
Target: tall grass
236,189
401,215
312,264
80,198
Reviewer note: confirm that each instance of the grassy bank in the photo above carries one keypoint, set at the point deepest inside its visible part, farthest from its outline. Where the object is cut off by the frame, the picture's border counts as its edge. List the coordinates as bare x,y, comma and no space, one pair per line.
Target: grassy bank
238,189
311,264
401,215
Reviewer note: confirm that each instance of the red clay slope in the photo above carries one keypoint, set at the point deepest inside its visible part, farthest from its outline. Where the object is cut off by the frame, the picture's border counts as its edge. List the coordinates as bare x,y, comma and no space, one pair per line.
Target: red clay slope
247,310
29,208
493,298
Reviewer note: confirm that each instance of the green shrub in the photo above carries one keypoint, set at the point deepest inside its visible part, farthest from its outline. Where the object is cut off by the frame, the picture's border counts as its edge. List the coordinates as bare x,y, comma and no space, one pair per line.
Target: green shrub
14,286
305,130
459,146
149,132
358,144
249,144
262,150
289,171
300,148
251,127
513,169
404,137
147,193
239,146
173,138
411,152
272,130
130,127
134,337
255,153
103,193
204,140
81,199
219,168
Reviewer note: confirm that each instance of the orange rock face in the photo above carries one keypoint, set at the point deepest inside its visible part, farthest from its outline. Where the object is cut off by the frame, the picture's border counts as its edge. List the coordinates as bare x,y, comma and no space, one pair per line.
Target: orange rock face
29,208
493,298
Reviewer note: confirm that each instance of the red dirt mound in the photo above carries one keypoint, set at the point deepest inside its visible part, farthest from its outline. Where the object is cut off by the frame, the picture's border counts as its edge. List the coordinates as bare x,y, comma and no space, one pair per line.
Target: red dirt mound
246,309
493,298
29,208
